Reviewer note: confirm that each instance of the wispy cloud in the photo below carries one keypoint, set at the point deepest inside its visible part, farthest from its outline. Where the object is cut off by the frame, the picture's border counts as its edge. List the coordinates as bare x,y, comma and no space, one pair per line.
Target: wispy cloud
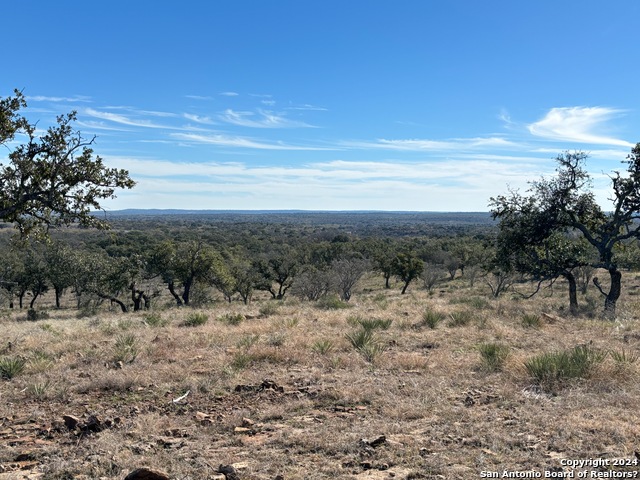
199,97
43,98
307,107
578,124
433,145
337,184
199,119
261,119
121,119
229,94
241,142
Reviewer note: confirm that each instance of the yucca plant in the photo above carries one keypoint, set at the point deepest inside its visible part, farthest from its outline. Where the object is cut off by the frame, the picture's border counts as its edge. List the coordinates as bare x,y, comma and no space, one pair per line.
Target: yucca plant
432,318
374,323
323,347
493,355
366,343
555,369
126,348
530,320
195,319
11,367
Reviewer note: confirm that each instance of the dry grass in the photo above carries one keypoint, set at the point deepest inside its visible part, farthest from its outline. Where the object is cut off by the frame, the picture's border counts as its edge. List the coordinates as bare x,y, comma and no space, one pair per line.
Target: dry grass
283,390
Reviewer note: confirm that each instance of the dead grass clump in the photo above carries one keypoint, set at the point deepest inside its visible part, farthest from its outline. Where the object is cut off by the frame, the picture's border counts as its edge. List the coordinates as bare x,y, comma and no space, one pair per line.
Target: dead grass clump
109,381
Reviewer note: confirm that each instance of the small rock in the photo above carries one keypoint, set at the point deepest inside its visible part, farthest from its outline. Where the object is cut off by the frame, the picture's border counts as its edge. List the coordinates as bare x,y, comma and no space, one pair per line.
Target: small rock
229,472
376,442
146,474
71,421
241,430
247,422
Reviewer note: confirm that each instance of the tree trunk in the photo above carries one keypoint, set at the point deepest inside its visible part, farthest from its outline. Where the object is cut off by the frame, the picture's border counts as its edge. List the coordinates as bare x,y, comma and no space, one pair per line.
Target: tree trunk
33,300
172,290
58,291
121,304
614,292
404,288
386,280
187,291
573,292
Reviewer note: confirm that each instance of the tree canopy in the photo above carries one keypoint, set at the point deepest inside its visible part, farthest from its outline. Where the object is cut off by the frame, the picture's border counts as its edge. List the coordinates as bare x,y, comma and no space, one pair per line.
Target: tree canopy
54,178
565,205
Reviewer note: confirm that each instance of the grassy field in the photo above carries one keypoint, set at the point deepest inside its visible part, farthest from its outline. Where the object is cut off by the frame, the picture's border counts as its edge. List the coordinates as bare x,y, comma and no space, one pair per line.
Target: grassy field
454,385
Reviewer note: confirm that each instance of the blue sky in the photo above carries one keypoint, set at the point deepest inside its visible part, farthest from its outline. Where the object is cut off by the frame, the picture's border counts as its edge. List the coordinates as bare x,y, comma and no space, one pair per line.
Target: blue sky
332,105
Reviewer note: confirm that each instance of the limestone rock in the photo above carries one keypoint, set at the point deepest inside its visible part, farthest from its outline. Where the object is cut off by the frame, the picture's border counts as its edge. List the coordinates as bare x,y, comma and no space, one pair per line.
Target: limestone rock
146,474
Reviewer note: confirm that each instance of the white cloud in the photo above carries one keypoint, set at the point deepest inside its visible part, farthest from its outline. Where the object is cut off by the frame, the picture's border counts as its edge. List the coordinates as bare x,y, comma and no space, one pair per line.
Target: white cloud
199,119
242,142
263,119
577,124
229,94
431,145
121,119
334,185
43,98
307,107
199,97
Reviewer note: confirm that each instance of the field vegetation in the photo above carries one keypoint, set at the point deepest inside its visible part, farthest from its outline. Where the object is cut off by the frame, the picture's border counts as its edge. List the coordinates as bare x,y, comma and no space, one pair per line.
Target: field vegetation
271,347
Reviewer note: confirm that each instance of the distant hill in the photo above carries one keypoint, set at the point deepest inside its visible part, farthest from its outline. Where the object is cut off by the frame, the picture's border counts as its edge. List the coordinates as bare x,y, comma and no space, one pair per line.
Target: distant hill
476,218
366,223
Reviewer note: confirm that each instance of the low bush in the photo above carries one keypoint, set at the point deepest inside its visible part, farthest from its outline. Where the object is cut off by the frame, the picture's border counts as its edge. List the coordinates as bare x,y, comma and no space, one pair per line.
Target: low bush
493,355
555,370
195,319
11,367
431,318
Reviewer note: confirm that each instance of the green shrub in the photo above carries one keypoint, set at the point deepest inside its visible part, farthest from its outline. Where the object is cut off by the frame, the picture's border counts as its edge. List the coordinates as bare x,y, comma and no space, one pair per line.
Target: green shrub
322,347
374,323
247,341
623,357
241,360
154,319
460,318
33,315
530,320
432,318
40,361
556,369
332,302
381,301
196,319
11,367
232,318
39,390
126,348
277,339
366,343
493,355
269,308
477,303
